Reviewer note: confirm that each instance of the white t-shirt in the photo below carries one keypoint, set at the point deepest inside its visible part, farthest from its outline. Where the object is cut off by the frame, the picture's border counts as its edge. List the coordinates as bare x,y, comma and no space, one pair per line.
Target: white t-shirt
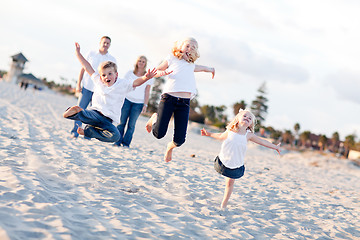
138,94
233,150
95,58
109,100
182,79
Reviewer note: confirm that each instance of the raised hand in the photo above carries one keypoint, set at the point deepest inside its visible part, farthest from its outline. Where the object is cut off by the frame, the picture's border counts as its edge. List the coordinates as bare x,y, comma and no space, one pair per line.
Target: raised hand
204,132
164,73
77,47
213,73
150,74
278,149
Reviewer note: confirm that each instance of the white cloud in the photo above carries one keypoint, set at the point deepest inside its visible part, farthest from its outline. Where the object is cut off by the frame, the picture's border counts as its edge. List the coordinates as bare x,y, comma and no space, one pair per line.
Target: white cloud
346,84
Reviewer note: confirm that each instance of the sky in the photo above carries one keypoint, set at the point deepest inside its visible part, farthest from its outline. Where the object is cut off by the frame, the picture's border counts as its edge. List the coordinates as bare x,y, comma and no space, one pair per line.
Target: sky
306,52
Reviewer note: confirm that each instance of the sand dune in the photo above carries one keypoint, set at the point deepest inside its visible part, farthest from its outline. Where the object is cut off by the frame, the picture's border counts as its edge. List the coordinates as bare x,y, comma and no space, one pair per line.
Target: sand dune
53,187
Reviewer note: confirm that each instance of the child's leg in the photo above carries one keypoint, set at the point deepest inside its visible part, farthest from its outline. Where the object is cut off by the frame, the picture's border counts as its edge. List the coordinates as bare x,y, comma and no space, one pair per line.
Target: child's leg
150,122
161,120
80,131
83,102
229,186
108,133
168,154
181,119
99,126
91,117
71,111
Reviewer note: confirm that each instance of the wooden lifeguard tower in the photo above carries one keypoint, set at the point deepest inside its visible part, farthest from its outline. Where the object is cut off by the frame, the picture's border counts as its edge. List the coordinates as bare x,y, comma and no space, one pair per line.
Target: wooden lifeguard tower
16,75
16,68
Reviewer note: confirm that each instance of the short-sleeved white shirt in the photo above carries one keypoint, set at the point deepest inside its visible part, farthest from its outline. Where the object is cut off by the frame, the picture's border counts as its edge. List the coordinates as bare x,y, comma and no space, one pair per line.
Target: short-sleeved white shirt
138,94
182,79
109,100
95,58
233,150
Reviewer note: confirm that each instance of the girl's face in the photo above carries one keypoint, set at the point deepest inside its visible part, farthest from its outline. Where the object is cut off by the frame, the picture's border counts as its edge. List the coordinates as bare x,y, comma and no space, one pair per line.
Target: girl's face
108,76
186,49
246,119
141,63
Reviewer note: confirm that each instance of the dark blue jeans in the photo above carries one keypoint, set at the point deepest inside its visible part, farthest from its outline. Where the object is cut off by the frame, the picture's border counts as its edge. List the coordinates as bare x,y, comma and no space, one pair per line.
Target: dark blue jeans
83,102
99,126
129,111
168,106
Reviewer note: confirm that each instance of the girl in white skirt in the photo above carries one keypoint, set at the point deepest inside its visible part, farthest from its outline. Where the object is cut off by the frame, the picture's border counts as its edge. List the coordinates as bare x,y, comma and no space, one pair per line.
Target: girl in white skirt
230,161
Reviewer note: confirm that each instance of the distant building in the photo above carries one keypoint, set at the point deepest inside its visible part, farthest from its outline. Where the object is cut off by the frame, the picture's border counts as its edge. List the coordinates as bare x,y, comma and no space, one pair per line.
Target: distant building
16,75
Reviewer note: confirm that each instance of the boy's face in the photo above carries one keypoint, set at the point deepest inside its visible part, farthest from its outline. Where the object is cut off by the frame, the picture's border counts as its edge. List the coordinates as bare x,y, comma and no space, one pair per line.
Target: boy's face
108,76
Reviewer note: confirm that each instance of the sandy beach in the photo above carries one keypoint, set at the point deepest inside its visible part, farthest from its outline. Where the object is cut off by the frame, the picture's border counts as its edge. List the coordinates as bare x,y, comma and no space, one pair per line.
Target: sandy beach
54,187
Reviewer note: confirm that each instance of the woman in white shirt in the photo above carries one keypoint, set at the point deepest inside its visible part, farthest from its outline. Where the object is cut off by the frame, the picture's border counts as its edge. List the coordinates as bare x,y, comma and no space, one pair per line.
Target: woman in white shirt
135,103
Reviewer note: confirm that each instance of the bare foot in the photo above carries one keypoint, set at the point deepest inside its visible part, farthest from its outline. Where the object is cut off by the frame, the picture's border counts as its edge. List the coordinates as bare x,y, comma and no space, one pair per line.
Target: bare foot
80,131
168,153
72,111
150,122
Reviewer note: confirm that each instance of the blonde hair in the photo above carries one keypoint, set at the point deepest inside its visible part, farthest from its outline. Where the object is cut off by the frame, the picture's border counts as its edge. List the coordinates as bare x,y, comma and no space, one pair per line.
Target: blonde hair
136,68
234,125
107,64
194,53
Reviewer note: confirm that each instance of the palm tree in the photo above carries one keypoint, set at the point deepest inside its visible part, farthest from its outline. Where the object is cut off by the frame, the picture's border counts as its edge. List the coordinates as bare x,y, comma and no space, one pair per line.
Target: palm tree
209,113
322,142
349,143
304,137
258,106
334,140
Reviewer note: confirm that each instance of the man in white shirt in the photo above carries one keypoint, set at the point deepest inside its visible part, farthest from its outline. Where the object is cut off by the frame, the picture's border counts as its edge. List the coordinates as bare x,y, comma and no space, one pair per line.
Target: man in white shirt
85,86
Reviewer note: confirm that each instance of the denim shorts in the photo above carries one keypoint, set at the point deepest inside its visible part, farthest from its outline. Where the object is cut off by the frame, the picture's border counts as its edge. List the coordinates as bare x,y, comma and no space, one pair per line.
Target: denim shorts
228,172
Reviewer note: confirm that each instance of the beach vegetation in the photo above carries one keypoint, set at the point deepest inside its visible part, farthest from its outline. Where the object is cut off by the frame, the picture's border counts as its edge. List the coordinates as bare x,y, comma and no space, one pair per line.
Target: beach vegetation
287,137
155,94
259,106
238,105
323,140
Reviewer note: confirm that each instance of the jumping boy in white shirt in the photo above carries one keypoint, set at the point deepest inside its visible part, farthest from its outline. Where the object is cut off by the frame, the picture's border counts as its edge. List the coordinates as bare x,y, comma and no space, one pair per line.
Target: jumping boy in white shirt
108,98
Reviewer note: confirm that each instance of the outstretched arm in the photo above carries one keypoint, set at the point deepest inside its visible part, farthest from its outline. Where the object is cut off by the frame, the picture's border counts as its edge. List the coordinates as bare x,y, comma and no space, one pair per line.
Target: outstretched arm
150,74
200,68
265,143
219,136
161,69
85,64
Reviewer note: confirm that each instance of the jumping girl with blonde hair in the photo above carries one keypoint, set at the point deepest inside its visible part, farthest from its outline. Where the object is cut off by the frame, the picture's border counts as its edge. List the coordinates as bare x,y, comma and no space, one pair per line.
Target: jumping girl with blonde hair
179,89
230,161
